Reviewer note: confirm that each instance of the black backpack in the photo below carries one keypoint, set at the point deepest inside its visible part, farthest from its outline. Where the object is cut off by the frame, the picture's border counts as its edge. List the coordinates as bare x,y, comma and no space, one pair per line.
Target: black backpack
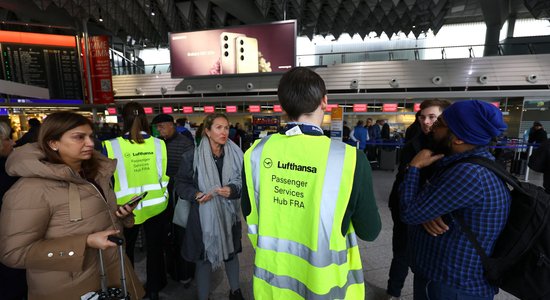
520,263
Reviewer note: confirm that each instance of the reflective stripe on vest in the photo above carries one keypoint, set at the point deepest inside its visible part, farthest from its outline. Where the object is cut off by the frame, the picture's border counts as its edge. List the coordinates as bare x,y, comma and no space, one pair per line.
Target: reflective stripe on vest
123,177
324,256
285,282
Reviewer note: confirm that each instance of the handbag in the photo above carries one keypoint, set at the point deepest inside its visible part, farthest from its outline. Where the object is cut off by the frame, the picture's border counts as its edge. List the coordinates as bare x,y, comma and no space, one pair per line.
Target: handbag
181,212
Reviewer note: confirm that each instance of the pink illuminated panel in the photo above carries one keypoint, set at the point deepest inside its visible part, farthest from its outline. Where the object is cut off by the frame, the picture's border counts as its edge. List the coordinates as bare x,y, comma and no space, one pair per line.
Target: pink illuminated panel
359,107
254,108
389,107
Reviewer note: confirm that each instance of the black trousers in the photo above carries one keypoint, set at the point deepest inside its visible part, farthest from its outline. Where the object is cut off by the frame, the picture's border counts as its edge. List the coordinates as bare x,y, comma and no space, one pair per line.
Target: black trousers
156,233
178,268
400,262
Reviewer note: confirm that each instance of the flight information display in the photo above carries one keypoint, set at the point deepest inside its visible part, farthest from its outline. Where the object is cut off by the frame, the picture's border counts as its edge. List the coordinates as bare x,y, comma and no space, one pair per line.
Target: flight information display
56,69
42,60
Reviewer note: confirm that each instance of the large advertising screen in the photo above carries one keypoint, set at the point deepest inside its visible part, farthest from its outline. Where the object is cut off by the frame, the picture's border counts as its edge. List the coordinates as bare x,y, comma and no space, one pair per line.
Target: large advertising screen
255,48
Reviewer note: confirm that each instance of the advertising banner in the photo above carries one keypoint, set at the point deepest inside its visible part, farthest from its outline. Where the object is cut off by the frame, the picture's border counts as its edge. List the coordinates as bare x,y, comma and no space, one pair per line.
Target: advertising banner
100,64
258,48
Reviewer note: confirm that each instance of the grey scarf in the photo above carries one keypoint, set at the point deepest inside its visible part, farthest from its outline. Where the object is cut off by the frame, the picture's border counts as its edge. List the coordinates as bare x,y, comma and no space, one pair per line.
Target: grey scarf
218,215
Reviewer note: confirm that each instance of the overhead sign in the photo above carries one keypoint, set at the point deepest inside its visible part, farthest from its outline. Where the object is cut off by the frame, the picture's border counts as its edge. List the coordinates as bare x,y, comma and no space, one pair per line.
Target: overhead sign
148,110
167,110
389,107
330,107
209,109
416,107
496,104
277,108
258,48
359,107
188,109
111,110
254,108
231,109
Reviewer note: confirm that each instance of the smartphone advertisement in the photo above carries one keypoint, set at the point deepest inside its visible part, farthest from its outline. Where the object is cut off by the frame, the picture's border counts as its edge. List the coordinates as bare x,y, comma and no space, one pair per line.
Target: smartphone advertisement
259,48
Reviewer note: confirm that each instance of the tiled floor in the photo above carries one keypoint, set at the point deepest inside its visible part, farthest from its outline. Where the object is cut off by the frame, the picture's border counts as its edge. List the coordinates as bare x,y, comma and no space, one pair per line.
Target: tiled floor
376,257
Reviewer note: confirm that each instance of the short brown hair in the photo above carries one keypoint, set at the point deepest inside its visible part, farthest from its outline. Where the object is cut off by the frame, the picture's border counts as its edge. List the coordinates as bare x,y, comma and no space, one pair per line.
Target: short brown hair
54,127
442,103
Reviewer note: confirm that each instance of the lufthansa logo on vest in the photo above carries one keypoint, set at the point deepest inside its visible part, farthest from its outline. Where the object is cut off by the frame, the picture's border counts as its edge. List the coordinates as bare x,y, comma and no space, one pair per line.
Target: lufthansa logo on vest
295,167
268,163
142,153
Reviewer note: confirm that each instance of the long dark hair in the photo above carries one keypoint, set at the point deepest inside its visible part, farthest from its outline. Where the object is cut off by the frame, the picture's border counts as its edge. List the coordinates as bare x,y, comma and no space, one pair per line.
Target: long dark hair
53,128
135,121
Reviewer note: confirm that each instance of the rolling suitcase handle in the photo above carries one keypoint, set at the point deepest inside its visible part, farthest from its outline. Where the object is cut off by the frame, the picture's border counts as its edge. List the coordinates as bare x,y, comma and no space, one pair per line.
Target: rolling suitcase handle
119,241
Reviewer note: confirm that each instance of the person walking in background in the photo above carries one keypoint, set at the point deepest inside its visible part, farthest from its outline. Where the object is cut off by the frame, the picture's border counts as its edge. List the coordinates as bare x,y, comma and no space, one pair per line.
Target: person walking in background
182,127
176,145
13,284
360,133
210,178
399,268
540,162
141,166
305,209
537,134
445,263
32,135
61,211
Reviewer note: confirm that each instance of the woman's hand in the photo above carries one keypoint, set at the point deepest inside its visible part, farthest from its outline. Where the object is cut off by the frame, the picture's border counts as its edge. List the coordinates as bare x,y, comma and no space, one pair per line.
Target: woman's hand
203,198
98,240
125,210
224,191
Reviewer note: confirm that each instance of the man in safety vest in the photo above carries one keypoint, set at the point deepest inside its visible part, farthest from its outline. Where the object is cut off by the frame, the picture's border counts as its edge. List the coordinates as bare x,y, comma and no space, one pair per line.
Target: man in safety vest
306,199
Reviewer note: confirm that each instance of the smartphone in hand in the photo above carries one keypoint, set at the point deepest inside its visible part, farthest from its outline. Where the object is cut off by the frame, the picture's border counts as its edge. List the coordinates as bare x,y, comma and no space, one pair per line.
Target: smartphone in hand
136,199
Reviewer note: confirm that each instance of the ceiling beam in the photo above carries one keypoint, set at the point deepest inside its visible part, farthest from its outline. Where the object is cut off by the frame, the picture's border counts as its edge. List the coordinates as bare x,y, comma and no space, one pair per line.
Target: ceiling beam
244,10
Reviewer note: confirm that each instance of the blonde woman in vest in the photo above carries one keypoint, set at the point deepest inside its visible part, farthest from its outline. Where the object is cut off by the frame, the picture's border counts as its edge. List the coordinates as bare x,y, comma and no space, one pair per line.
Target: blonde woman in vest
141,167
61,211
210,178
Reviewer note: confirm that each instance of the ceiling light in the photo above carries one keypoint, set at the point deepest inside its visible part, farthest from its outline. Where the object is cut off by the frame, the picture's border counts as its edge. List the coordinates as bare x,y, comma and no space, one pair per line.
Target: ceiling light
152,13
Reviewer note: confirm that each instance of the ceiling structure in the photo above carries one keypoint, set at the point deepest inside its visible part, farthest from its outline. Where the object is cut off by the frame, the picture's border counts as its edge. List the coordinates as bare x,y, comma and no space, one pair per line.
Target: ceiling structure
148,22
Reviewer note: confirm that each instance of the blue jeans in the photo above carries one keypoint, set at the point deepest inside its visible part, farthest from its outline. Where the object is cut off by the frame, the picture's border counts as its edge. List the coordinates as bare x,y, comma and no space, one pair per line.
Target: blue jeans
425,289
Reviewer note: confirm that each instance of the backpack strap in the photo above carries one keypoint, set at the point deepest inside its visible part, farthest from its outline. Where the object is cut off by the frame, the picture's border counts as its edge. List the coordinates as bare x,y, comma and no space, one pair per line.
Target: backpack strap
502,174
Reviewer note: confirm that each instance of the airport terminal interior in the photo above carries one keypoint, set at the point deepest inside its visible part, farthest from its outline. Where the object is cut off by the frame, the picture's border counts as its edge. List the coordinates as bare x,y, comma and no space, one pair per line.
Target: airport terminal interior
379,59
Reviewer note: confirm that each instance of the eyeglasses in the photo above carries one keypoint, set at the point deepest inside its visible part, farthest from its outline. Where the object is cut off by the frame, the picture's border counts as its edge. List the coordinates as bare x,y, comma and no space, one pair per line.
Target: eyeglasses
439,123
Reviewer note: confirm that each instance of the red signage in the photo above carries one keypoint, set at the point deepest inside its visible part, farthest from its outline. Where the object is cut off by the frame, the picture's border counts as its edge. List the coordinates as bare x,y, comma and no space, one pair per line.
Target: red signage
331,106
167,109
389,107
277,108
231,109
496,104
148,110
111,110
254,108
416,107
188,109
359,107
209,109
100,64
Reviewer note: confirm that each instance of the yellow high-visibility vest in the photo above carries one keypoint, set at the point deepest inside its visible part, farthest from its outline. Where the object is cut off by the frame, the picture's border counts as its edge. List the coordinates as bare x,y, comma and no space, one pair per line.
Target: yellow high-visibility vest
140,168
299,188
